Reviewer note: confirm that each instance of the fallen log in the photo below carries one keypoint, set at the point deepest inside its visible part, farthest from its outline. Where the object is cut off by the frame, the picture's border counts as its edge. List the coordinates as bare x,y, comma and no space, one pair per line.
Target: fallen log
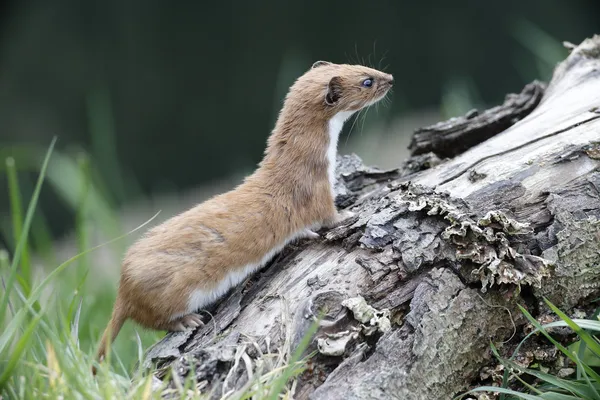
413,288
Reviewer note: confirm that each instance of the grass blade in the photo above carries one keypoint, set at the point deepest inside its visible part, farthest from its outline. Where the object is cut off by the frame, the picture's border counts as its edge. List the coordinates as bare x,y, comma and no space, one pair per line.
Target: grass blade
559,346
280,383
24,233
519,395
591,343
75,324
81,217
16,211
587,379
570,386
23,343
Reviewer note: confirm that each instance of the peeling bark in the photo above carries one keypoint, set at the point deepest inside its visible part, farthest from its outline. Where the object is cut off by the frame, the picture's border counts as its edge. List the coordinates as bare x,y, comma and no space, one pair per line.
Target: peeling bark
432,266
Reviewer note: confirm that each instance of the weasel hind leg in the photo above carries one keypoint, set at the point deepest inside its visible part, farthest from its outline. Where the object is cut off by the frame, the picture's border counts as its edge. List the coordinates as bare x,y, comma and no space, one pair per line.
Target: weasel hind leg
189,321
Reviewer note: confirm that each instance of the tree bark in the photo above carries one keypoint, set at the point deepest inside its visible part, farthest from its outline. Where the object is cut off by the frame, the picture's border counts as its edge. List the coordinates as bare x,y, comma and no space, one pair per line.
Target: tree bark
430,269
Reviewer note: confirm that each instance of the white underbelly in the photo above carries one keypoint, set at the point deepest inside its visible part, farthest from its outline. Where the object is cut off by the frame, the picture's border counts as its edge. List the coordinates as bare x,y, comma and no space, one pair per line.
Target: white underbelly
201,297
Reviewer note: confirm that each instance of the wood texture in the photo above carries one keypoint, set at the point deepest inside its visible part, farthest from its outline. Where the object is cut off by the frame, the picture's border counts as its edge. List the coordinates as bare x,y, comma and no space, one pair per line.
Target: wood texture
452,137
441,252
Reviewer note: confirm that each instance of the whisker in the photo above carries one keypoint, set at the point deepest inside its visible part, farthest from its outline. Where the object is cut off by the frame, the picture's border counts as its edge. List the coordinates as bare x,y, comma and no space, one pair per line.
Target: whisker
374,52
382,58
386,100
352,127
362,59
362,127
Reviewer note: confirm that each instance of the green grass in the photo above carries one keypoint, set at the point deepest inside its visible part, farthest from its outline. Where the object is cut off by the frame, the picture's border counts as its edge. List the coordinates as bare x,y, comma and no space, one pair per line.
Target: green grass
72,179
52,314
584,354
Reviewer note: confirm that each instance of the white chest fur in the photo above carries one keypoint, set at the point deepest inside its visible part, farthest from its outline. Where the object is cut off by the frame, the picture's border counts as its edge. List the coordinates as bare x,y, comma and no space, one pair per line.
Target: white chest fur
335,127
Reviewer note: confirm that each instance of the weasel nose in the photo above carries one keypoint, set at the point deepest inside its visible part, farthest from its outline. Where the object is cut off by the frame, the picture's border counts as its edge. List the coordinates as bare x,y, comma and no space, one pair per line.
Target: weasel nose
391,81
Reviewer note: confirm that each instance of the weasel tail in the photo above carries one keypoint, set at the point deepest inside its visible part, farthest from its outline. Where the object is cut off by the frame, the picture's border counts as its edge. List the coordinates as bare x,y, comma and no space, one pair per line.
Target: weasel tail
115,324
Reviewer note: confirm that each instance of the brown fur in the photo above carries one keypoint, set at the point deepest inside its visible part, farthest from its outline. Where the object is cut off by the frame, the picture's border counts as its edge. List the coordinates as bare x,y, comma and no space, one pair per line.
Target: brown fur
289,192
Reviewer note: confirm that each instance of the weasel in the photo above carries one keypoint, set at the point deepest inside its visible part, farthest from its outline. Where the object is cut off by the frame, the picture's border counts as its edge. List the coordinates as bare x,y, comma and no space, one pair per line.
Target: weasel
195,257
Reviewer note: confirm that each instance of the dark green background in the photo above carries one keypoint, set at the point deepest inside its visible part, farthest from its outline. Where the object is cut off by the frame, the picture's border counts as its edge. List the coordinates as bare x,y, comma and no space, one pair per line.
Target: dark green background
194,86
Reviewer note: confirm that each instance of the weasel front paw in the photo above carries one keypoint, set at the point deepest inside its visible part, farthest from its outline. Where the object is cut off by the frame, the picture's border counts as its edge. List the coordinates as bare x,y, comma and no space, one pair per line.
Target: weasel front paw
310,234
339,219
344,215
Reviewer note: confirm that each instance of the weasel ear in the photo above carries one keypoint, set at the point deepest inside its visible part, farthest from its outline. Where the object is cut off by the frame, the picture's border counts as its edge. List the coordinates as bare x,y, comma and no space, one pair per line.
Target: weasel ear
334,91
320,64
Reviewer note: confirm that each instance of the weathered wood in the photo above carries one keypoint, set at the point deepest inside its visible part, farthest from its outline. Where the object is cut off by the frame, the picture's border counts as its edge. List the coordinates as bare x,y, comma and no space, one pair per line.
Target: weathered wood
442,261
453,137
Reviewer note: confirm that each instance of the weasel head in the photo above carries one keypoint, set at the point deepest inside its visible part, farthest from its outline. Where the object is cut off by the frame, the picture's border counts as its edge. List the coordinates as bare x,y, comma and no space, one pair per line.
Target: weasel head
315,109
339,88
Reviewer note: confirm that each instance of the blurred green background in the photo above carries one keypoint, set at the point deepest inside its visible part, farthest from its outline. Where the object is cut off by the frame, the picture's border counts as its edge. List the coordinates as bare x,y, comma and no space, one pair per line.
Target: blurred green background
167,96
157,104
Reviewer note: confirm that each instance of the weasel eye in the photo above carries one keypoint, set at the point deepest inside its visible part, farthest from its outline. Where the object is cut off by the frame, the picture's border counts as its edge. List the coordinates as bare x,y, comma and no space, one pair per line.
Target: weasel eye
367,82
